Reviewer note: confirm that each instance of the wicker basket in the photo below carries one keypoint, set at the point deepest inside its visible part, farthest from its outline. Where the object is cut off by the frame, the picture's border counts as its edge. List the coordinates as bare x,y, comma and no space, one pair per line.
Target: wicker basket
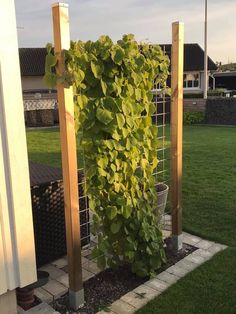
48,213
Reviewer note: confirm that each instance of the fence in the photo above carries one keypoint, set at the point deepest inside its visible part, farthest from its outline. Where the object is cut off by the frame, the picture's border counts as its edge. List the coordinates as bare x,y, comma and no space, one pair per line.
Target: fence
40,110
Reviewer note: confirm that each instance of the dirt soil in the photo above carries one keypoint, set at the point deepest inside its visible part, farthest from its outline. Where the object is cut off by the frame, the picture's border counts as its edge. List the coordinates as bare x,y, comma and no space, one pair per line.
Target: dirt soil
110,285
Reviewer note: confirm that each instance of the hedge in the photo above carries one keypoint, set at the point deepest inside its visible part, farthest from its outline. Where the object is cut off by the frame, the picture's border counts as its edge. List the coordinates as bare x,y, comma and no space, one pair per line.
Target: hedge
221,111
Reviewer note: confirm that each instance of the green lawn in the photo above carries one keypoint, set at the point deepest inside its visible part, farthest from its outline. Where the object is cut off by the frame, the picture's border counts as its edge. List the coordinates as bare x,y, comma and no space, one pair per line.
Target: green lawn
44,147
210,289
209,187
209,197
209,210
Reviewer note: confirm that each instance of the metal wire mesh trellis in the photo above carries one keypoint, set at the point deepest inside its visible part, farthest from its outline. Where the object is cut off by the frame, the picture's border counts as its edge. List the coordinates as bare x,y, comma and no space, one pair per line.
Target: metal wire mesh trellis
160,119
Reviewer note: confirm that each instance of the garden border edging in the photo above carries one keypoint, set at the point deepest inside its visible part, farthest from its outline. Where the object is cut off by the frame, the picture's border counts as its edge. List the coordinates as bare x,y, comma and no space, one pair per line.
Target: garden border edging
140,296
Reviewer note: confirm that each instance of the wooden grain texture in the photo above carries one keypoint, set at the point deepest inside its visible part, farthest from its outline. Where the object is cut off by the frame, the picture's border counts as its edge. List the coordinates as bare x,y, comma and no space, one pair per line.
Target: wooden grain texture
68,148
177,59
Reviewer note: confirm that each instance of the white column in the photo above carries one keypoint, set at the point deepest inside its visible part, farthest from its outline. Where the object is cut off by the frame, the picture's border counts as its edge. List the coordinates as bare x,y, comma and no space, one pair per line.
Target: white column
206,84
17,252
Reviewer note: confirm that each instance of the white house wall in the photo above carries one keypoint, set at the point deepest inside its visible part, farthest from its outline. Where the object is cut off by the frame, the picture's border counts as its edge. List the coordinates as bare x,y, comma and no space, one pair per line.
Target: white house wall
17,251
32,83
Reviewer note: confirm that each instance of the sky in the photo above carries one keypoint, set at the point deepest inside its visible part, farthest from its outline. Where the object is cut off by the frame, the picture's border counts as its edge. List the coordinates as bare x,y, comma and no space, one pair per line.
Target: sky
148,20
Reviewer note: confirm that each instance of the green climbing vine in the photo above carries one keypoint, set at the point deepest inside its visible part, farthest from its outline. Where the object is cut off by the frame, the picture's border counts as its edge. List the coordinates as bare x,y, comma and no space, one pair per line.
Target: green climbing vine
113,106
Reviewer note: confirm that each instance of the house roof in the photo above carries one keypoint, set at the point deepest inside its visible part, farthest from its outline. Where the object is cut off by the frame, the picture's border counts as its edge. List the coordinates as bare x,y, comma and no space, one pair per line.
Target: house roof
193,57
32,60
225,74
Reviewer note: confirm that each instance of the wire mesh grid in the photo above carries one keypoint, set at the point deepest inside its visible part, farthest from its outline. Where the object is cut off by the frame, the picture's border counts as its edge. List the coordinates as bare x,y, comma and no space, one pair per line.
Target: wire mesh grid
161,120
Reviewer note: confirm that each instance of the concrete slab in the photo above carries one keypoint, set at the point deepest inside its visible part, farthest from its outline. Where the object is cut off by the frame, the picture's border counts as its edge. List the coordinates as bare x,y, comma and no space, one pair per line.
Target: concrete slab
43,295
54,272
134,299
167,277
146,291
157,284
121,307
55,288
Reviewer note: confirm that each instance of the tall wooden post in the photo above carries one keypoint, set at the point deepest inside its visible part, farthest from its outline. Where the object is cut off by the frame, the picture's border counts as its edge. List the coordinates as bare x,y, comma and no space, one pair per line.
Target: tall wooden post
69,159
177,64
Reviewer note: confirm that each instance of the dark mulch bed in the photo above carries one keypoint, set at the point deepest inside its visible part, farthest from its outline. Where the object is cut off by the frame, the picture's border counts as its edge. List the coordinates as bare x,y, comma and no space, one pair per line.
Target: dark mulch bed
109,285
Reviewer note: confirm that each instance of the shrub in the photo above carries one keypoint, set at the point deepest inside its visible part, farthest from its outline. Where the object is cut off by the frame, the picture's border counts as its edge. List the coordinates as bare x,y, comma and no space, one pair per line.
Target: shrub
221,111
216,93
113,106
193,95
193,118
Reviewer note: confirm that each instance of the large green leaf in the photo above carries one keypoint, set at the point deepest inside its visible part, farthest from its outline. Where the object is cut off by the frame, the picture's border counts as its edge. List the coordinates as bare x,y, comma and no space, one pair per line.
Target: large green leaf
50,62
120,120
90,79
109,103
115,226
97,68
103,162
104,115
117,54
127,210
82,101
111,212
104,87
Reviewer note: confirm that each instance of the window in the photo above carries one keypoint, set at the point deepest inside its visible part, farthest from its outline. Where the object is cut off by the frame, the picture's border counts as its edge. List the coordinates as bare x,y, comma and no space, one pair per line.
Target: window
191,80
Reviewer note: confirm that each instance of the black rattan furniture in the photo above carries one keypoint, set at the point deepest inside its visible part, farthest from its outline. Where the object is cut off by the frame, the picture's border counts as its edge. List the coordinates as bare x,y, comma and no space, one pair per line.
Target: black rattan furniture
48,212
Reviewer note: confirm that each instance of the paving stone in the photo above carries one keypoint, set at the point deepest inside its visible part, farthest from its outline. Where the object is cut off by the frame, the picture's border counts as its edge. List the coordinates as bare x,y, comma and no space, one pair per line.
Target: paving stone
64,279
42,308
91,267
203,253
86,252
105,312
157,284
93,238
134,299
190,239
84,260
177,271
168,228
187,264
215,248
43,295
86,274
53,271
167,217
166,233
61,262
146,291
55,288
65,269
204,244
121,307
167,277
195,259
